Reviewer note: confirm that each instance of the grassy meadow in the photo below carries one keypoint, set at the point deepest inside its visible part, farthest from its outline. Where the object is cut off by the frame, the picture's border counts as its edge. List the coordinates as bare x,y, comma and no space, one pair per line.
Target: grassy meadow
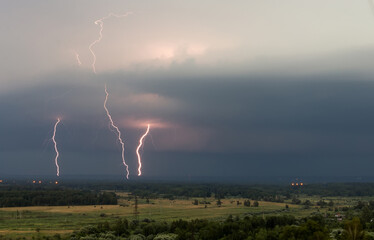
31,221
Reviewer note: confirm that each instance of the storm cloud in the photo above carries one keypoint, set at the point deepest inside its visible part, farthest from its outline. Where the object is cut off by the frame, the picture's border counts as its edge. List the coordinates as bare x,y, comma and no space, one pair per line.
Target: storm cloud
235,90
214,126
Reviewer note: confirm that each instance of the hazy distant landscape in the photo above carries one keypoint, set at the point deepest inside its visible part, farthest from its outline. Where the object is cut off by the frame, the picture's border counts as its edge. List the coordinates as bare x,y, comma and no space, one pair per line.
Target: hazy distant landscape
181,210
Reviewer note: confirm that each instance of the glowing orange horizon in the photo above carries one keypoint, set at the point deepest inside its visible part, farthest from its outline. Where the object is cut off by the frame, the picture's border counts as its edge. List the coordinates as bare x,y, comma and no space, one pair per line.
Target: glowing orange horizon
118,133
137,150
143,122
56,149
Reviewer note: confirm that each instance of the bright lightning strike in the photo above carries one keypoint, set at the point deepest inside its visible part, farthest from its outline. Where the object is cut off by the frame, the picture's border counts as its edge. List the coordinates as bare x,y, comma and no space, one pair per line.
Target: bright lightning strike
54,141
118,132
100,22
137,151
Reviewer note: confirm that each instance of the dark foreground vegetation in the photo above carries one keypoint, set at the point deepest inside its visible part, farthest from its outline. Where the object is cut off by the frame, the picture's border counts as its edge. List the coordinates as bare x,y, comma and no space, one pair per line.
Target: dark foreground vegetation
268,228
283,227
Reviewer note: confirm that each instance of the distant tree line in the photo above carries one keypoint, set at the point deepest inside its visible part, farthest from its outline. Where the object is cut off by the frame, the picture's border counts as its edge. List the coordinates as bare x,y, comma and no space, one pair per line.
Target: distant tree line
19,196
272,193
78,193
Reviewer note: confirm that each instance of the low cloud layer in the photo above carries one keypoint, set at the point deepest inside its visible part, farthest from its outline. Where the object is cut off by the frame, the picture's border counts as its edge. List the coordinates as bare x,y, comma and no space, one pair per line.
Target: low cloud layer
202,126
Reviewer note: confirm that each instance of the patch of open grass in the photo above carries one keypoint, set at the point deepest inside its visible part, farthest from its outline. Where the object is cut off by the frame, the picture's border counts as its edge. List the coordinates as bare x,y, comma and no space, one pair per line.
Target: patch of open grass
25,221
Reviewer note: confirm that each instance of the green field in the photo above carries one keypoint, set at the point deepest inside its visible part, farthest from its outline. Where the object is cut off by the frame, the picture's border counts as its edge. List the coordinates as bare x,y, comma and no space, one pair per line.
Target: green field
30,221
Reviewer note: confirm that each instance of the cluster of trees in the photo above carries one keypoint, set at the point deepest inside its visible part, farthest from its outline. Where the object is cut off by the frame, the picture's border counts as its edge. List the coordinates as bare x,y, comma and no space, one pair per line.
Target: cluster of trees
26,196
273,193
366,214
269,228
284,227
321,203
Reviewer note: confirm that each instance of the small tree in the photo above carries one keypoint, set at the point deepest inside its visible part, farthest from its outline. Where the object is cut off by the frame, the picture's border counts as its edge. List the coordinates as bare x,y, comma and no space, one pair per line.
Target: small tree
353,230
321,203
256,204
296,201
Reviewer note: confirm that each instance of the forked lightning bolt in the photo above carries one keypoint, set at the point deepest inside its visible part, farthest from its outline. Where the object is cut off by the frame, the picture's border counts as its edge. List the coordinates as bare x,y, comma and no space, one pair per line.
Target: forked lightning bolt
118,132
137,151
54,141
100,22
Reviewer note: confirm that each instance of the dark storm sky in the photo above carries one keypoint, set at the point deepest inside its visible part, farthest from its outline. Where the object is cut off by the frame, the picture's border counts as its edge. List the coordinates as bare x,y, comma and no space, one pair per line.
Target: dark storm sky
225,97
213,126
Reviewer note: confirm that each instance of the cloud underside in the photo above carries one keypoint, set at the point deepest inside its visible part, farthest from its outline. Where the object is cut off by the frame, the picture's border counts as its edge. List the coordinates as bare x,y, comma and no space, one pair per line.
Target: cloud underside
214,121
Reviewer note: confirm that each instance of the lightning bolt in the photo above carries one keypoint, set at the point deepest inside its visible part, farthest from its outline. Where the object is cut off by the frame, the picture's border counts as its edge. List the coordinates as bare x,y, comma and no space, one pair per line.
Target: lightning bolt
137,151
54,141
100,22
118,132
78,59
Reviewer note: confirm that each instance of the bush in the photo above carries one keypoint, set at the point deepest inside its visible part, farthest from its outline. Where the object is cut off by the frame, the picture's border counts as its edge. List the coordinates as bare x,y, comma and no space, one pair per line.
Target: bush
137,237
169,236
